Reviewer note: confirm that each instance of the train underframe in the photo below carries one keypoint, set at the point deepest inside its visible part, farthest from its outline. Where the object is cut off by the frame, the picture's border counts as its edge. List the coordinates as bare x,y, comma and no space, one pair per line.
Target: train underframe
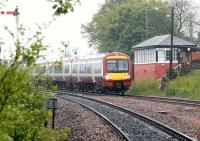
101,88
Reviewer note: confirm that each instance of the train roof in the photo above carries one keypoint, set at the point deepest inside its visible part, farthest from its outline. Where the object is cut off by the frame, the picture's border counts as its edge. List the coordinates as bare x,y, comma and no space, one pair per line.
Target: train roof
103,55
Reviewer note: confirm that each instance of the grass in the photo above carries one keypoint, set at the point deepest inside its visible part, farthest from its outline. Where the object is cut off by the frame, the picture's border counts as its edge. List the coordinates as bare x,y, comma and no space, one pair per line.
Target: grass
187,86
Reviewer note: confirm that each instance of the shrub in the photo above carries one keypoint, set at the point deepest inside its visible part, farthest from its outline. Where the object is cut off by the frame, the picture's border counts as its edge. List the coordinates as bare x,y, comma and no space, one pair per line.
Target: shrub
145,87
186,86
22,113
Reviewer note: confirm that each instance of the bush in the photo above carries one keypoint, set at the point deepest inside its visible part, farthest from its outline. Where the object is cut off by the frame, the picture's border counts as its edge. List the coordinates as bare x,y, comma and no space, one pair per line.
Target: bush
186,86
22,113
146,87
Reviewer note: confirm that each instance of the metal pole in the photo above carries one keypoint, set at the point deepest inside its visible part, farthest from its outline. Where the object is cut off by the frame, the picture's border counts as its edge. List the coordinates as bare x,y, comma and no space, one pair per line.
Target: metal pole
146,24
53,118
146,19
171,46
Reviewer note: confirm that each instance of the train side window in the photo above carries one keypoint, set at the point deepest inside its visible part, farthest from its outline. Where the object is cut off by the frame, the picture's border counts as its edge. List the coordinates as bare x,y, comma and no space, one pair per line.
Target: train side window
89,67
58,69
40,69
82,68
43,69
66,68
98,67
75,68
36,69
33,71
51,69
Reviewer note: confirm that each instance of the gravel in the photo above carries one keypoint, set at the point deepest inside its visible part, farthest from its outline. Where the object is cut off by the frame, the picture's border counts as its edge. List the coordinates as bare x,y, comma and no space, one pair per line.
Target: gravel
84,125
136,129
185,119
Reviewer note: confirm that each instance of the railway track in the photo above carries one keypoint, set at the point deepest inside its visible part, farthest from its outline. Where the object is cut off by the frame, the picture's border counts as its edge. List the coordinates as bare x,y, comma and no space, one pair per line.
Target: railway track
167,100
176,101
130,125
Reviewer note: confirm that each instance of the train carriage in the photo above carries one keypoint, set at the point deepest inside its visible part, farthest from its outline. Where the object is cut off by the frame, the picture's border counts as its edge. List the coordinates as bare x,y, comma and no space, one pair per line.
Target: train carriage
107,72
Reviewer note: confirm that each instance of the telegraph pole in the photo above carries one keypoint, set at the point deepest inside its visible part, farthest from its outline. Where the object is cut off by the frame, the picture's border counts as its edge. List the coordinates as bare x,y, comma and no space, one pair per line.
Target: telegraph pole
146,19
171,46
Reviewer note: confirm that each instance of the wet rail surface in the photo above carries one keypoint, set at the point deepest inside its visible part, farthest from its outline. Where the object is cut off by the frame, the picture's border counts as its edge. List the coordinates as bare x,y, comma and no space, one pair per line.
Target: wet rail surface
167,100
135,126
175,101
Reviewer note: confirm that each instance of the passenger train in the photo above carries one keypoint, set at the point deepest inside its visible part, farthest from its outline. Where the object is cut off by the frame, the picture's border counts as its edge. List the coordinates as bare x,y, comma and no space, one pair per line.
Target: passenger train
111,72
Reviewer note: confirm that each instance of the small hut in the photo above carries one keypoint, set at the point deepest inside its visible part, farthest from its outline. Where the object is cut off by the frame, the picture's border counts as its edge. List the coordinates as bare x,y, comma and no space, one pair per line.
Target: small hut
152,57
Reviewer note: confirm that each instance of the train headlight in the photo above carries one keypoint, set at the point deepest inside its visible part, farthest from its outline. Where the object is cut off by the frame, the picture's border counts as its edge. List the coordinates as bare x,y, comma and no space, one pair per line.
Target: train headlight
107,77
128,77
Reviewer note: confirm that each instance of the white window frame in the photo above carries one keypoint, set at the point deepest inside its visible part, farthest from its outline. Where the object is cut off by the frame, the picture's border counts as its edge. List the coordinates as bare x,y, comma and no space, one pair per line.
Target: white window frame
164,60
146,56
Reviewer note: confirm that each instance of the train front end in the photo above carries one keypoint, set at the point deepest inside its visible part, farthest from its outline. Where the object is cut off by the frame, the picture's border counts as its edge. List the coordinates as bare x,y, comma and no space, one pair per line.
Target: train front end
117,72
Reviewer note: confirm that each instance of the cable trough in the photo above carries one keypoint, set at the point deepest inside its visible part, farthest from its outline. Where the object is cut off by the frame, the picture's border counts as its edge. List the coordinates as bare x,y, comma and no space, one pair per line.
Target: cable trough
132,126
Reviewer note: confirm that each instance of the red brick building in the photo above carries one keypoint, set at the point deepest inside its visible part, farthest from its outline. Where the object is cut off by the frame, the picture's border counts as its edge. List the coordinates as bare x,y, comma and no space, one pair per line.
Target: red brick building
151,57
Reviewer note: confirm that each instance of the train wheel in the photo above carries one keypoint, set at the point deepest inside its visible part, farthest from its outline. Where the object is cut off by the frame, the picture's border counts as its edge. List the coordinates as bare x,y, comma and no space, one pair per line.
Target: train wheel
121,93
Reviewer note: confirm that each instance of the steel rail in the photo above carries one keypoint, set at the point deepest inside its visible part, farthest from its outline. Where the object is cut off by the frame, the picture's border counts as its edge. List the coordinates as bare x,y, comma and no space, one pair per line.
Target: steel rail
167,100
175,101
109,122
173,133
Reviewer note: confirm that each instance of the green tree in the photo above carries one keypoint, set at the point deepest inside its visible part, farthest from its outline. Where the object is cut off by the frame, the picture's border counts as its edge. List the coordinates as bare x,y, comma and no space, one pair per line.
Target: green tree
186,18
63,6
60,6
22,115
121,24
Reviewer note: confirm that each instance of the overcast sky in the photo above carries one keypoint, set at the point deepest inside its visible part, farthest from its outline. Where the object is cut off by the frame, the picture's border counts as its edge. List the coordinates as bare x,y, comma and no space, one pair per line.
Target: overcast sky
65,28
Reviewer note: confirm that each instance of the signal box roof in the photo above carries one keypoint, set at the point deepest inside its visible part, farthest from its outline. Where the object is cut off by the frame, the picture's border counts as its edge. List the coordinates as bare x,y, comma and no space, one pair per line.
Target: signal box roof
165,42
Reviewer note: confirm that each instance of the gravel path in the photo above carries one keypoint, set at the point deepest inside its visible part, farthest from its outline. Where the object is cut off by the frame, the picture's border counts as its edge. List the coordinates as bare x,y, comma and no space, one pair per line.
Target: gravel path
185,119
84,125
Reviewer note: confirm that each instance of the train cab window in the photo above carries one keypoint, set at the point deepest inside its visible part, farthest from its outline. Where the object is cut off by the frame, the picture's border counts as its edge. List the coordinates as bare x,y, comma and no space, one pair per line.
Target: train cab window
122,65
66,68
58,69
117,65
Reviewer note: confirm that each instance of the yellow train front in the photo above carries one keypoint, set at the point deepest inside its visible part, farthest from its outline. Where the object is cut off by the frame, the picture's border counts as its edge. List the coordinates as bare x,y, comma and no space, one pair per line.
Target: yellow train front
117,72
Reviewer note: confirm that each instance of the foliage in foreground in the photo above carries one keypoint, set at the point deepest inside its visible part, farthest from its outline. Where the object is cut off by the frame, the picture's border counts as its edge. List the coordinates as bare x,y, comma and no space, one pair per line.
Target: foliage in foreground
22,113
